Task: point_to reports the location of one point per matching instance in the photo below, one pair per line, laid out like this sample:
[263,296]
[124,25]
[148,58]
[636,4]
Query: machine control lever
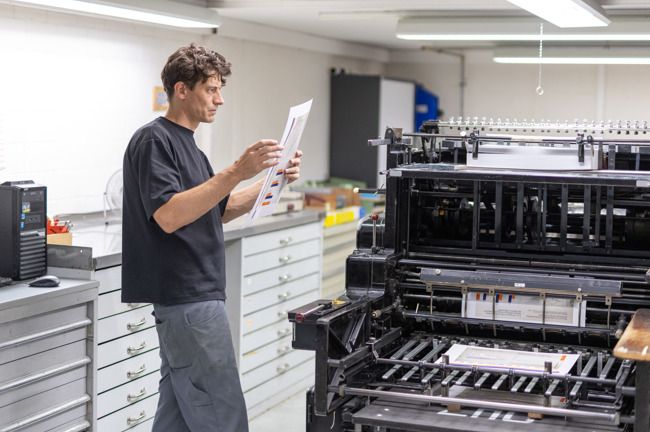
[374,218]
[301,316]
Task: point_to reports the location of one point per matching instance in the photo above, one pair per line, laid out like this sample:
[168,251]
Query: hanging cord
[540,90]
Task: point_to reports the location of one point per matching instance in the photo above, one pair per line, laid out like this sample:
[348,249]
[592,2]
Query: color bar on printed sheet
[279,172]
[275,183]
[266,203]
[269,196]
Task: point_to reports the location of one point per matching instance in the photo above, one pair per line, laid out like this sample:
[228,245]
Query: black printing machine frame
[450,232]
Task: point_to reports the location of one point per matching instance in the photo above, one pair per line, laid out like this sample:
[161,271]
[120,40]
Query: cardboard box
[60,239]
[331,198]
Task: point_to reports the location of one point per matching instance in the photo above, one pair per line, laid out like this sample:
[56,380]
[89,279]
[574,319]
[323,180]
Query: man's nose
[218,99]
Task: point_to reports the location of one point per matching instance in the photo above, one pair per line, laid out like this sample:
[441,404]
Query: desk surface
[105,240]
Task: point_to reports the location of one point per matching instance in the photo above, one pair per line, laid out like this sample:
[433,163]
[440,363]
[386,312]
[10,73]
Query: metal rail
[560,412]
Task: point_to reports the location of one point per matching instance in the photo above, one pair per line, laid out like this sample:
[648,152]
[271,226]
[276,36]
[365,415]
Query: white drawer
[129,417]
[280,257]
[128,370]
[111,304]
[279,276]
[266,353]
[143,426]
[279,294]
[274,368]
[275,313]
[127,347]
[124,324]
[301,373]
[127,394]
[110,279]
[268,334]
[279,239]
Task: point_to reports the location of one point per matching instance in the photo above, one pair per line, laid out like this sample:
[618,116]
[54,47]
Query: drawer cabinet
[127,357]
[339,241]
[138,414]
[267,275]
[47,357]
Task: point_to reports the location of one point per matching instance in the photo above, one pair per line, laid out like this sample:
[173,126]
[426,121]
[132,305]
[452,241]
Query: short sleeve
[223,204]
[158,175]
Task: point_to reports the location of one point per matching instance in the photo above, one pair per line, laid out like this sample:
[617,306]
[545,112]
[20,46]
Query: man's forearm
[242,201]
[186,207]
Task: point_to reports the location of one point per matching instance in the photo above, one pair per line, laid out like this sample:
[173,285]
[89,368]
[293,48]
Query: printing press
[506,285]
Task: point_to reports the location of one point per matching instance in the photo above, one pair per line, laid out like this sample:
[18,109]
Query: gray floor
[290,414]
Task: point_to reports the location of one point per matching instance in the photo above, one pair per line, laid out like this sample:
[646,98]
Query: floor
[290,414]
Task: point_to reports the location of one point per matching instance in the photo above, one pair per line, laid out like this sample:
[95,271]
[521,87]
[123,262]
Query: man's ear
[180,90]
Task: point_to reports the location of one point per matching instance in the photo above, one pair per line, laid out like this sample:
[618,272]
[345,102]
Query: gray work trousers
[199,386]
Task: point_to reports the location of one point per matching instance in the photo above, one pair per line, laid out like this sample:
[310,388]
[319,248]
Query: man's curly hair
[191,64]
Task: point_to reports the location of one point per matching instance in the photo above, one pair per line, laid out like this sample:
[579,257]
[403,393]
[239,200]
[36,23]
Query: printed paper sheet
[524,308]
[467,355]
[275,180]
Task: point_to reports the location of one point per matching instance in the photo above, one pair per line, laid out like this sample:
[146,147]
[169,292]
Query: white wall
[266,81]
[503,91]
[74,91]
[76,88]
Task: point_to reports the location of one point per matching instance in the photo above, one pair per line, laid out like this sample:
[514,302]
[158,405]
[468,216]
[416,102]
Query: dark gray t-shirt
[161,160]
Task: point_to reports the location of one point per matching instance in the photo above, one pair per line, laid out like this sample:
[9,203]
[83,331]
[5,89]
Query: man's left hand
[292,174]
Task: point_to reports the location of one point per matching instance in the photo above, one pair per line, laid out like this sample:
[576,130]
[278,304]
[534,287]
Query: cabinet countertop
[20,294]
[103,242]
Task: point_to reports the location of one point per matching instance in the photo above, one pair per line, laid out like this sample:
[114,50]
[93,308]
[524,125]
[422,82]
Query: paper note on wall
[275,181]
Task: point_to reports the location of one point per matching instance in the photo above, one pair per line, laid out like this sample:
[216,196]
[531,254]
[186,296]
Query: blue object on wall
[426,106]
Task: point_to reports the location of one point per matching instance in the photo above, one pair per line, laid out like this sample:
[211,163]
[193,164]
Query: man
[173,248]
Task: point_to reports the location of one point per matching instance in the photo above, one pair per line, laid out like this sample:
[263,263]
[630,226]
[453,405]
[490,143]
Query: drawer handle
[283,314]
[286,240]
[132,351]
[134,326]
[130,398]
[133,305]
[284,295]
[284,349]
[284,278]
[285,259]
[131,374]
[284,332]
[132,420]
[283,368]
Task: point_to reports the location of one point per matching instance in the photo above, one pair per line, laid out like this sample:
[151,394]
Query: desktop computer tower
[23,224]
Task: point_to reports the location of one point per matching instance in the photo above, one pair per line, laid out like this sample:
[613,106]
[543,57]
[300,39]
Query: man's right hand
[257,157]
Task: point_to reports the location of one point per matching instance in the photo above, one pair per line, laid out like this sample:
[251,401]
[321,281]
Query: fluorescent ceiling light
[515,29]
[162,12]
[566,13]
[631,56]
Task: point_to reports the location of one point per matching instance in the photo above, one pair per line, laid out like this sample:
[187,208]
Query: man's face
[202,102]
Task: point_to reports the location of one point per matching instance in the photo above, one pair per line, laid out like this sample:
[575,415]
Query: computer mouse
[47,281]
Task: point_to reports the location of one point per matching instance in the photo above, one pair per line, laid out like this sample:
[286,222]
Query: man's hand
[258,157]
[292,174]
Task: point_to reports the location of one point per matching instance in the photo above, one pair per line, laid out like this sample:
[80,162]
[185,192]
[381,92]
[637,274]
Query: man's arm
[186,207]
[242,201]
